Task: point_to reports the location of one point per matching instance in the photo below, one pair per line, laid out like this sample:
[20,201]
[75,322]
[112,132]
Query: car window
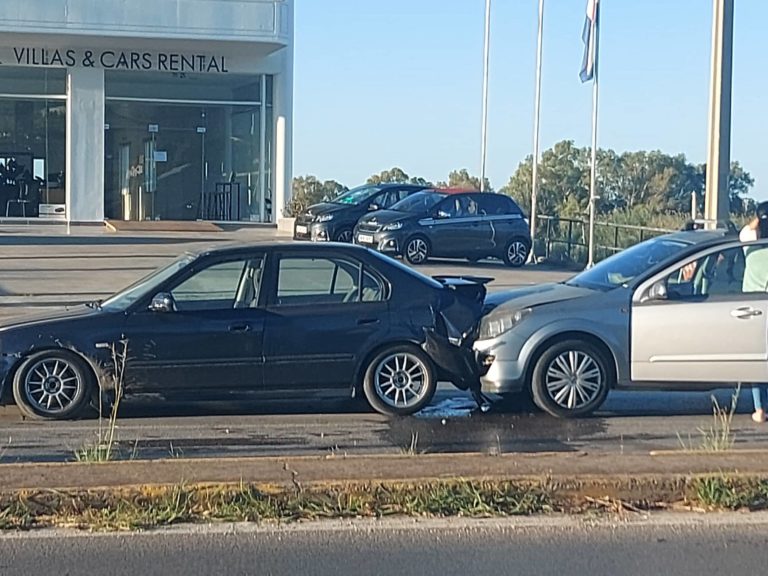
[720,273]
[626,265]
[419,203]
[221,286]
[313,281]
[391,197]
[496,205]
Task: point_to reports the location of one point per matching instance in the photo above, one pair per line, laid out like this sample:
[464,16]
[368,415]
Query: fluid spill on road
[457,425]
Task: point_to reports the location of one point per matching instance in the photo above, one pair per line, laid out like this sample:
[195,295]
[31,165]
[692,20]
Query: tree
[308,190]
[397,175]
[463,179]
[639,183]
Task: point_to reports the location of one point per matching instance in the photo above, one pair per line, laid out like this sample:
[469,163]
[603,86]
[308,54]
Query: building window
[33,122]
[185,147]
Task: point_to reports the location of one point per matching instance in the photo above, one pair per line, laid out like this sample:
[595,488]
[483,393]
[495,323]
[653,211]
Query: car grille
[368,228]
[304,219]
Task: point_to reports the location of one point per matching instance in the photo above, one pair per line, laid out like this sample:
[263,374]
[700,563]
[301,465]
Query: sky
[383,83]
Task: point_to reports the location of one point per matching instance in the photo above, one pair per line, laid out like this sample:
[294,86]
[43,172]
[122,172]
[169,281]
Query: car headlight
[392,227]
[324,218]
[495,325]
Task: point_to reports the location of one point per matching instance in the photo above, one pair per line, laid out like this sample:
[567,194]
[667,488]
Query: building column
[283,119]
[85,145]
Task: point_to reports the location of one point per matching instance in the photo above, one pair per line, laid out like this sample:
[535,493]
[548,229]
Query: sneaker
[759,416]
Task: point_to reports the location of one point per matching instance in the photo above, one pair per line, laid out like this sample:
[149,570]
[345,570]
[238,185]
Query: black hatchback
[471,225]
[333,221]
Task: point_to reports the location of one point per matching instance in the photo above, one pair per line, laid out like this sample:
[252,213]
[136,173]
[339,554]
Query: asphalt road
[628,423]
[731,544]
[42,267]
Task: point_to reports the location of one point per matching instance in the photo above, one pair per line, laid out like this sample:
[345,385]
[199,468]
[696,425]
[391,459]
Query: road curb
[312,470]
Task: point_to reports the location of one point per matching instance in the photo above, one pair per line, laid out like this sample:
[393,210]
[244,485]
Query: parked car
[335,219]
[281,319]
[469,225]
[668,314]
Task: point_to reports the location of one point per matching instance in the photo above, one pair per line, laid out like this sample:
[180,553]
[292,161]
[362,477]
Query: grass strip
[152,507]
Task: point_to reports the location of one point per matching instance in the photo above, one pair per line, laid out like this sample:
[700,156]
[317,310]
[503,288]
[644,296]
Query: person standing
[756,280]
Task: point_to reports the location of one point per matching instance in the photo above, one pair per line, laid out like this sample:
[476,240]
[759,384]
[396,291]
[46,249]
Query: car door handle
[745,312]
[244,327]
[367,321]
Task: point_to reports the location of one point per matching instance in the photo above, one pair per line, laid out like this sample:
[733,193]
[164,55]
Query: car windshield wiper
[95,304]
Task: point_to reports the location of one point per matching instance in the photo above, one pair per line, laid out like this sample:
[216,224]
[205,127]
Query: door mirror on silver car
[162,302]
[658,291]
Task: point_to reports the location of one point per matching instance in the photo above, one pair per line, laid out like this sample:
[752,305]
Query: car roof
[700,237]
[233,248]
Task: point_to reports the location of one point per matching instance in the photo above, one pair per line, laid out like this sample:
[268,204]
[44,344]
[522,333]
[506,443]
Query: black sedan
[293,320]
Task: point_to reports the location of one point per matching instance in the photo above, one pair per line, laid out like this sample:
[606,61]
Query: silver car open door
[698,322]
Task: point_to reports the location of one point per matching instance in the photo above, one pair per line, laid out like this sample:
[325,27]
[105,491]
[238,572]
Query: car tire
[571,379]
[516,252]
[416,250]
[53,385]
[400,380]
[344,235]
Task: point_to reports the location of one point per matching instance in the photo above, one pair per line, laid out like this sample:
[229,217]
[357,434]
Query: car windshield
[123,299]
[627,264]
[419,202]
[356,195]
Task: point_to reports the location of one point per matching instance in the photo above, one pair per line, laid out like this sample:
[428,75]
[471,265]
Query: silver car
[667,314]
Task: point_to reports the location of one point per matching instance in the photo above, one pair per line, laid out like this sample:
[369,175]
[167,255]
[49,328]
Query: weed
[719,436]
[105,448]
[412,448]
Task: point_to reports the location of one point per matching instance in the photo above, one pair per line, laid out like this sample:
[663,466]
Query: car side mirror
[162,302]
[373,207]
[442,214]
[658,291]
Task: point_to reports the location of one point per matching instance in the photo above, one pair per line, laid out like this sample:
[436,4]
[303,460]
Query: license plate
[301,229]
[365,239]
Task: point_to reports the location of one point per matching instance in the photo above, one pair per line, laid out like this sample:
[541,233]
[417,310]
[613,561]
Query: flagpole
[593,163]
[536,130]
[486,60]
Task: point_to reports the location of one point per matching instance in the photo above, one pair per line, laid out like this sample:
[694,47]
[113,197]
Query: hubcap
[517,253]
[401,380]
[417,250]
[52,385]
[345,236]
[573,379]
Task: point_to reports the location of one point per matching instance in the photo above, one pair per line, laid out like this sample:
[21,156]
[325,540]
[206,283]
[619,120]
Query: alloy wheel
[517,252]
[416,251]
[573,379]
[52,385]
[344,236]
[400,380]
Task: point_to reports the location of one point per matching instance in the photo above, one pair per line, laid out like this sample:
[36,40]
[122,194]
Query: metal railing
[565,239]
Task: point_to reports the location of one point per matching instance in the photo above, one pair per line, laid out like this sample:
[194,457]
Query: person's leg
[760,399]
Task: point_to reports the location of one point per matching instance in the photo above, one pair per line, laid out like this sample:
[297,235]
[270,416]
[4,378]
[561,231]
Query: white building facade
[146,109]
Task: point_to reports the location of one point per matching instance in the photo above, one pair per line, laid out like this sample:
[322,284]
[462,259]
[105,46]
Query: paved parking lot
[44,266]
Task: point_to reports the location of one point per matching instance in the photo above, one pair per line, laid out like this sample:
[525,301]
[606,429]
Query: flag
[589,36]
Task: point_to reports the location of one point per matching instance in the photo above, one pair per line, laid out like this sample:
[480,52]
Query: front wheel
[416,250]
[399,381]
[516,253]
[571,379]
[344,235]
[53,385]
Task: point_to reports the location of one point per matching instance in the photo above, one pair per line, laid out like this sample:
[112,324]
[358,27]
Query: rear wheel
[571,379]
[516,252]
[400,380]
[416,250]
[53,385]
